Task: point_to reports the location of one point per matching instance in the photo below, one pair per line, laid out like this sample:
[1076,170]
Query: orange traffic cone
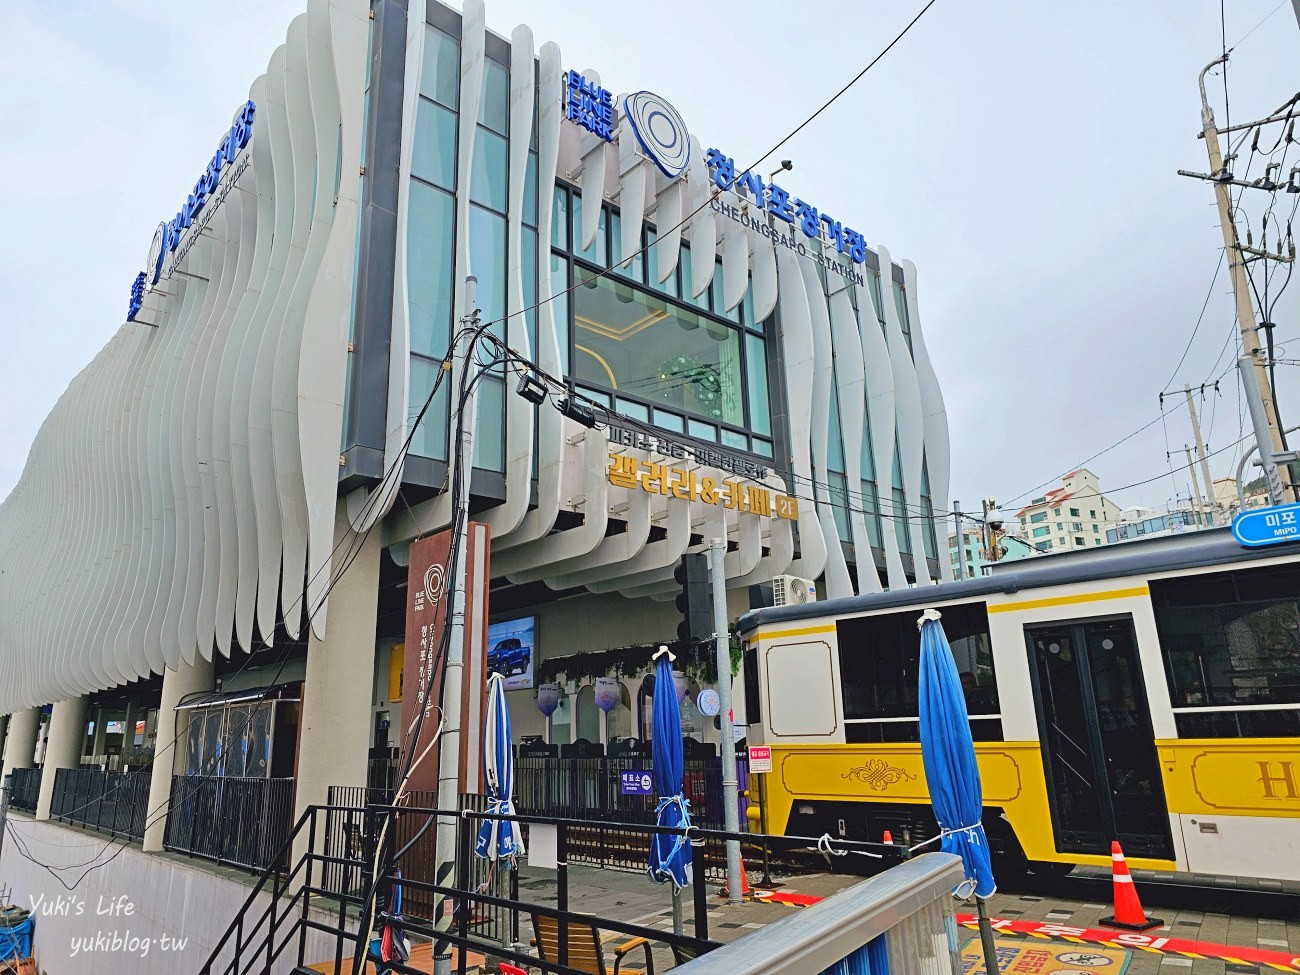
[744,883]
[1128,909]
[887,838]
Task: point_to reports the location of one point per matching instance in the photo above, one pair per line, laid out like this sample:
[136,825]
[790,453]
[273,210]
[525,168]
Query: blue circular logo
[660,131]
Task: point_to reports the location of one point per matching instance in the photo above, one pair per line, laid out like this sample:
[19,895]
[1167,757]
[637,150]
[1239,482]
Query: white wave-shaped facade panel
[182,490]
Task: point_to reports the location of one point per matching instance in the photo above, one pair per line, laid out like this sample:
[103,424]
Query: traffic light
[692,574]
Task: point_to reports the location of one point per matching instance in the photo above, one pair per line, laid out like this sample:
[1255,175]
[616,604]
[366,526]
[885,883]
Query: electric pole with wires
[1269,436]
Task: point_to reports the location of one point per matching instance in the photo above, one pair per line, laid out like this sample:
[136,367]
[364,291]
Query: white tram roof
[1142,557]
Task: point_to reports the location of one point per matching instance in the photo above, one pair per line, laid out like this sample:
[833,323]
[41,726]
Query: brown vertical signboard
[428,599]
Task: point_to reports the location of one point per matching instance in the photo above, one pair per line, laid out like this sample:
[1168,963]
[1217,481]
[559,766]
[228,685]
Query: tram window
[1230,638]
[888,732]
[880,655]
[1238,724]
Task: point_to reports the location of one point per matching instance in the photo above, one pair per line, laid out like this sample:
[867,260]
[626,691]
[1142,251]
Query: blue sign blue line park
[1267,526]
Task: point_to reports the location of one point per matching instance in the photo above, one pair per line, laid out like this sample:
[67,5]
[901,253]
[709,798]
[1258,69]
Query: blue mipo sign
[1267,526]
[169,233]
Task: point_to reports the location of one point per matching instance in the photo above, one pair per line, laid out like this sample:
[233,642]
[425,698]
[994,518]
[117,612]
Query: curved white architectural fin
[934,420]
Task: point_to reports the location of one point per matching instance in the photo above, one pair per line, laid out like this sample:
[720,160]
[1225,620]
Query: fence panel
[592,789]
[241,821]
[25,788]
[112,802]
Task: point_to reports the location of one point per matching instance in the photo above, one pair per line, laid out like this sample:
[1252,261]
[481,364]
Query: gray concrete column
[101,720]
[334,740]
[176,684]
[20,746]
[67,738]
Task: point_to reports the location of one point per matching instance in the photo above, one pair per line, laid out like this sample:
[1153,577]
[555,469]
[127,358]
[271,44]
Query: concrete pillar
[101,723]
[334,740]
[67,738]
[176,684]
[20,746]
[128,730]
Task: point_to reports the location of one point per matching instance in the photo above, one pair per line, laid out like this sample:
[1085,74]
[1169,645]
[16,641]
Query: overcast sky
[1022,153]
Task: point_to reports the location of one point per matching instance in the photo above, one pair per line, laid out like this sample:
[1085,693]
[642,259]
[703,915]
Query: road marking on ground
[1233,954]
[1024,958]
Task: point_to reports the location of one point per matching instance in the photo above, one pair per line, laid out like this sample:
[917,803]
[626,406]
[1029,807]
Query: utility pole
[1196,487]
[730,783]
[961,539]
[1270,440]
[451,743]
[1210,504]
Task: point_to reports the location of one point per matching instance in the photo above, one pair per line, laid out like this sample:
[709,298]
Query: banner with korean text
[428,595]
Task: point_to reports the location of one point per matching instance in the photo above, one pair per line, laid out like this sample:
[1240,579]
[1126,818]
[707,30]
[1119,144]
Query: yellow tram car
[1147,692]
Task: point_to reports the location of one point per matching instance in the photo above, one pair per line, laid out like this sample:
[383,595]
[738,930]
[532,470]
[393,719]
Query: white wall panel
[505,518]
[800,363]
[312,180]
[823,378]
[907,413]
[337,55]
[880,415]
[538,522]
[934,421]
[169,480]
[850,381]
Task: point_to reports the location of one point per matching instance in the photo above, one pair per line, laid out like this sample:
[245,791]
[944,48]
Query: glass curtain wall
[431,241]
[430,237]
[649,349]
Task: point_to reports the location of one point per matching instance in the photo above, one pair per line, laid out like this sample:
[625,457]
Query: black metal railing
[112,802]
[229,819]
[271,932]
[24,788]
[594,789]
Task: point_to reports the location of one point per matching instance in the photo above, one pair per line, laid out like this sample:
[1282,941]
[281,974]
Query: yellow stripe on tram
[1087,597]
[801,631]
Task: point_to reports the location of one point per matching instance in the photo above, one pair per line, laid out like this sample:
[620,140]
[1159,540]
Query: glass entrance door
[1099,751]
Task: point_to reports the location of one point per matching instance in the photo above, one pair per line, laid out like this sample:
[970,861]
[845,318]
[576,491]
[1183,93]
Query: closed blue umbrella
[951,772]
[499,839]
[670,855]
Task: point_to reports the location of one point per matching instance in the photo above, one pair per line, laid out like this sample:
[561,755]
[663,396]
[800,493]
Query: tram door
[1094,722]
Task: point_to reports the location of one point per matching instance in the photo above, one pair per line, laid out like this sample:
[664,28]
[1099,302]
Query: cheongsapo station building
[209,543]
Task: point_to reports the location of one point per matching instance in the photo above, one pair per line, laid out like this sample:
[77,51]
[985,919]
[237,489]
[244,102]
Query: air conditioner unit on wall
[793,591]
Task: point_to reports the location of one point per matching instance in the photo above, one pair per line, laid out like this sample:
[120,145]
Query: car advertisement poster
[510,651]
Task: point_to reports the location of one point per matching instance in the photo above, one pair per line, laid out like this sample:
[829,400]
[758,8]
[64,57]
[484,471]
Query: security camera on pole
[993,531]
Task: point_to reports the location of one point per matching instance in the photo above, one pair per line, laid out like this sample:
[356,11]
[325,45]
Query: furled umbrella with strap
[951,772]
[499,840]
[670,855]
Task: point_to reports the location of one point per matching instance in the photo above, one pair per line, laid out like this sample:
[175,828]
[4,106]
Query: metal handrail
[819,937]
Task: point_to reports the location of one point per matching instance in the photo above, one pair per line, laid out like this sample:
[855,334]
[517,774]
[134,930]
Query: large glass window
[430,258]
[494,107]
[636,343]
[488,181]
[760,409]
[839,492]
[487,255]
[1039,517]
[1231,645]
[434,152]
[879,661]
[440,72]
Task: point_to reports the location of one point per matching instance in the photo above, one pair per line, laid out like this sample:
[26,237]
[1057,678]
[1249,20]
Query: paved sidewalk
[629,896]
